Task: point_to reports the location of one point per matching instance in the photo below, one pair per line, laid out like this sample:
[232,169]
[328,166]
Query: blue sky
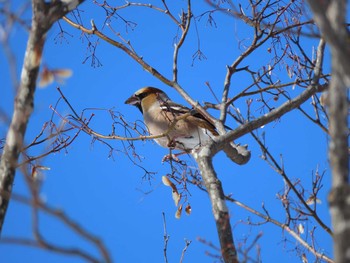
[108,196]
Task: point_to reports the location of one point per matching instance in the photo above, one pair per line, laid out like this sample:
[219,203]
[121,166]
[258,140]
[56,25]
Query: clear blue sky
[108,196]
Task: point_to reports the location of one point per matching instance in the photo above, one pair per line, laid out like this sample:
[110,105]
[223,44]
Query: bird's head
[146,95]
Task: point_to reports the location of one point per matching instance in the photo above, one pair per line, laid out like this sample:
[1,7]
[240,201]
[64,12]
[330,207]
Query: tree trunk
[330,18]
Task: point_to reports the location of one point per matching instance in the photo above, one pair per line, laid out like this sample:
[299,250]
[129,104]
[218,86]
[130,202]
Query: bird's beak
[133,100]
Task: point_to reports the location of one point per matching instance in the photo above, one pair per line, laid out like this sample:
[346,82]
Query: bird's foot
[173,157]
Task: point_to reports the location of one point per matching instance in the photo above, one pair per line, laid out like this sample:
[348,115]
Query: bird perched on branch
[181,127]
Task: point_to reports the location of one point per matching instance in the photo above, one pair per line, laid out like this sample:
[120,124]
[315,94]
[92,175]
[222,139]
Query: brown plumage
[185,128]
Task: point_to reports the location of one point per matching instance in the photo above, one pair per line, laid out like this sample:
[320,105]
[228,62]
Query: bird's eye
[140,96]
[143,95]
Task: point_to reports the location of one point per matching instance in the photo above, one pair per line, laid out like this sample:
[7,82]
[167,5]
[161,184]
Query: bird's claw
[170,157]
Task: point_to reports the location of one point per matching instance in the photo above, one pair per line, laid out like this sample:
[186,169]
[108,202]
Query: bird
[183,128]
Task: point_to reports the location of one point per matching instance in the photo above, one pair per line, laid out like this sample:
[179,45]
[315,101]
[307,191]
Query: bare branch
[286,228]
[131,53]
[187,17]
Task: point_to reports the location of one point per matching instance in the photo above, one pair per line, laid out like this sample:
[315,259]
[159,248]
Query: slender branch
[285,227]
[187,244]
[132,54]
[49,247]
[166,239]
[182,39]
[62,217]
[256,43]
[146,66]
[281,171]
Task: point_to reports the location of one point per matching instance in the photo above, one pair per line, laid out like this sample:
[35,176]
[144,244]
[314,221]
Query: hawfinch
[185,129]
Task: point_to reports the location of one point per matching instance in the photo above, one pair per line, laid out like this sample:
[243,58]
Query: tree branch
[221,141]
[217,199]
[44,15]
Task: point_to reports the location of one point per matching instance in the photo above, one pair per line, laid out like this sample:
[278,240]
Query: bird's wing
[174,108]
[195,117]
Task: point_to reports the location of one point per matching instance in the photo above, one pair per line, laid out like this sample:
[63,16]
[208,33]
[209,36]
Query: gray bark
[330,18]
[217,198]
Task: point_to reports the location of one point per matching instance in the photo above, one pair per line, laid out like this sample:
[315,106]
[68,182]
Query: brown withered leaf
[312,200]
[34,172]
[176,197]
[166,181]
[188,209]
[178,212]
[47,76]
[301,229]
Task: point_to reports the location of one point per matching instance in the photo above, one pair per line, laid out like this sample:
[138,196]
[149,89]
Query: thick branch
[217,199]
[44,15]
[265,119]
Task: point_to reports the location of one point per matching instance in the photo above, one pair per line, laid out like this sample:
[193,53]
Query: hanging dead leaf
[43,167]
[301,229]
[166,181]
[178,212]
[270,70]
[304,258]
[312,199]
[47,76]
[188,209]
[34,173]
[176,197]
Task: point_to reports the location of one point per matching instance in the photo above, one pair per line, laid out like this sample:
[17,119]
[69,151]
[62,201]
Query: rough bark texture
[44,15]
[330,18]
[217,199]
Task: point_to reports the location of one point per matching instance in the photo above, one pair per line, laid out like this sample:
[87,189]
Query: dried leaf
[43,167]
[301,229]
[166,181]
[178,212]
[176,197]
[47,76]
[34,173]
[304,258]
[62,73]
[289,71]
[188,209]
[312,199]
